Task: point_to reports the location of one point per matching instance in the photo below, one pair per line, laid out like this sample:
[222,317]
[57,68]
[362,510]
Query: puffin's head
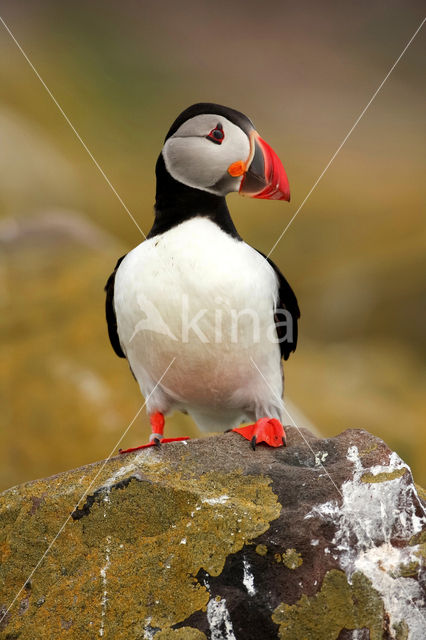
[217,149]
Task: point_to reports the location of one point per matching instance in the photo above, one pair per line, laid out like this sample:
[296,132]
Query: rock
[34,171]
[53,268]
[53,230]
[322,540]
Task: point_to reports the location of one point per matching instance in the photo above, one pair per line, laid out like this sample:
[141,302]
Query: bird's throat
[175,203]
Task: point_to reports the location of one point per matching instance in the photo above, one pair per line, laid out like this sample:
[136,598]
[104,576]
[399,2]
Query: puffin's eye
[216,135]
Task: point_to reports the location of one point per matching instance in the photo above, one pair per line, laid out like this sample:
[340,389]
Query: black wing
[110,312]
[287,334]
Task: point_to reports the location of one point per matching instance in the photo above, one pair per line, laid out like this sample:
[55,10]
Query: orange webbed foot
[156,442]
[267,430]
[156,438]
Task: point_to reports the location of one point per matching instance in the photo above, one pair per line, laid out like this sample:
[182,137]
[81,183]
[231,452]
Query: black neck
[175,203]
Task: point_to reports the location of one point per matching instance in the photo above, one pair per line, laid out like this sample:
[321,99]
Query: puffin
[204,319]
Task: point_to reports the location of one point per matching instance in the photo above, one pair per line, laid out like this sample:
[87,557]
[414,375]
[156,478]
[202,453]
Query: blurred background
[355,254]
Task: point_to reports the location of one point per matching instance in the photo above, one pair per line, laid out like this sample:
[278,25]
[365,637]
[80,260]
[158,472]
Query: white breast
[198,295]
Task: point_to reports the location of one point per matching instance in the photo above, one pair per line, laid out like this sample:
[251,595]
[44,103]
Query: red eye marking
[216,135]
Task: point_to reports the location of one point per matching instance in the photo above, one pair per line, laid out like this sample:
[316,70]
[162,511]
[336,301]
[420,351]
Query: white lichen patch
[381,566]
[220,500]
[124,471]
[248,578]
[148,631]
[219,620]
[320,457]
[131,469]
[371,516]
[103,573]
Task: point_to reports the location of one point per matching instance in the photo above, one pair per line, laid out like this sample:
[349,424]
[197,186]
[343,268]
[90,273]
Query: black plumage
[110,312]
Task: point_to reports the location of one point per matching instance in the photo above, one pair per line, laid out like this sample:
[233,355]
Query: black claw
[157,442]
[284,441]
[253,443]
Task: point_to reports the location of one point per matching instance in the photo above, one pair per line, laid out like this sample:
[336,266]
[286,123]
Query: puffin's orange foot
[142,446]
[166,440]
[154,443]
[268,430]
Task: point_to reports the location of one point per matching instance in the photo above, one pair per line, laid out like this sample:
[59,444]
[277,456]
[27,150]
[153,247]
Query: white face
[197,161]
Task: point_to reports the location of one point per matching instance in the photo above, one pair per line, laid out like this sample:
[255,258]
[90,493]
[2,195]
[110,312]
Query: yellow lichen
[338,605]
[418,538]
[408,570]
[143,543]
[184,633]
[4,551]
[369,449]
[401,630]
[261,549]
[420,491]
[385,476]
[292,559]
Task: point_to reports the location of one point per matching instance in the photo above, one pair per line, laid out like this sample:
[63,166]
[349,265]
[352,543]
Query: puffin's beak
[265,176]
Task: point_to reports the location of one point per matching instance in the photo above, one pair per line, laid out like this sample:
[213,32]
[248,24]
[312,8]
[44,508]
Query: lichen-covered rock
[319,541]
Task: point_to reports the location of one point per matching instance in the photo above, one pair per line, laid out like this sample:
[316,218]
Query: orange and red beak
[265,176]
